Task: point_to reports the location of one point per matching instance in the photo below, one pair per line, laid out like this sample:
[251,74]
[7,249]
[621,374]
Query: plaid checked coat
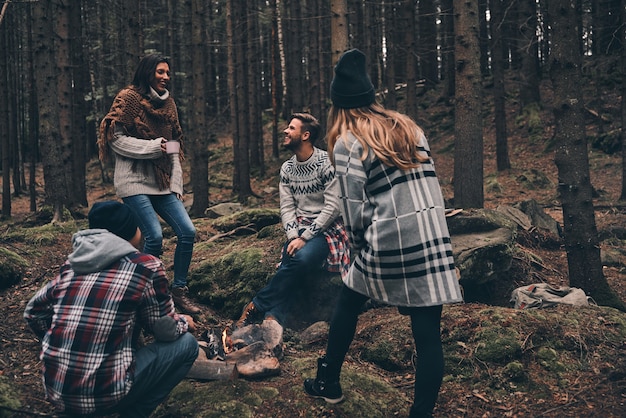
[398,234]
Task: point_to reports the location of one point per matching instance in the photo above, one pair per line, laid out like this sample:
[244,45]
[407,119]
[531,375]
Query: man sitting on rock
[310,214]
[90,317]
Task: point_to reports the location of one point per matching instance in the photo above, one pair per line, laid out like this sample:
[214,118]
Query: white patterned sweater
[309,190]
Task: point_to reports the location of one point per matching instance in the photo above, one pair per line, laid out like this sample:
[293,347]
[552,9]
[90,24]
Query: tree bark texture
[499,93]
[198,135]
[339,28]
[468,129]
[410,48]
[50,140]
[529,72]
[4,125]
[575,192]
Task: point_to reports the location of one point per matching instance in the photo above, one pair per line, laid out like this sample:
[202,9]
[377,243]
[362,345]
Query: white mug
[172,147]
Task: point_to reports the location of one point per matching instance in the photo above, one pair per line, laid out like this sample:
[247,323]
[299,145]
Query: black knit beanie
[115,217]
[351,87]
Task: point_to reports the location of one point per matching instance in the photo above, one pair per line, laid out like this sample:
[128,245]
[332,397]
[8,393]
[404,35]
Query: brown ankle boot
[182,301]
[246,315]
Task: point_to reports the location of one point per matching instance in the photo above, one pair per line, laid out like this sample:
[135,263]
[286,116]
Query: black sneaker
[330,392]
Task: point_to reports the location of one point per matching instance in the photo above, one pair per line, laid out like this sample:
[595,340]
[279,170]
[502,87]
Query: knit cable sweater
[135,138]
[309,190]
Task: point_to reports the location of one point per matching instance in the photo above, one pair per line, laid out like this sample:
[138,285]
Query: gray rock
[223,209]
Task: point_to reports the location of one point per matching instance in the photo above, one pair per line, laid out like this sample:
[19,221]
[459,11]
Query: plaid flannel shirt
[90,324]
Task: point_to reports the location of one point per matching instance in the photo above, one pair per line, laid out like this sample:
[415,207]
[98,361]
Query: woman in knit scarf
[393,210]
[142,120]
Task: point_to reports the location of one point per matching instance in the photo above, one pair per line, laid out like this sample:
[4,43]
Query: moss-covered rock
[259,218]
[228,283]
[12,268]
[499,345]
[8,398]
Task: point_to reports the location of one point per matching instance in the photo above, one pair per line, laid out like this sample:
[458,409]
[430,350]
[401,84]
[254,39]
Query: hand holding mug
[172,147]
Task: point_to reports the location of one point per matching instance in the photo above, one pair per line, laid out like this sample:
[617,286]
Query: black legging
[425,325]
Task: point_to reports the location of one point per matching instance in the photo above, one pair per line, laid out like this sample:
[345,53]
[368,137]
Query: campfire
[251,351]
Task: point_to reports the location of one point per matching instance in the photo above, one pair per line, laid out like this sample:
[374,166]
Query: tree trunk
[410,47]
[483,38]
[80,80]
[4,124]
[571,158]
[468,130]
[282,51]
[131,36]
[33,123]
[64,104]
[623,104]
[497,67]
[198,133]
[254,111]
[317,97]
[338,28]
[427,45]
[242,164]
[275,72]
[231,20]
[606,24]
[529,72]
[49,135]
[391,56]
[296,99]
[12,106]
[448,72]
[373,39]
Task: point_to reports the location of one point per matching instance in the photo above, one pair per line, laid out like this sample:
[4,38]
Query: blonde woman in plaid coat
[393,210]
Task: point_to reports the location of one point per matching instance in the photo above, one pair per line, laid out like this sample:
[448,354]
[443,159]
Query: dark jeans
[274,298]
[172,210]
[160,367]
[425,325]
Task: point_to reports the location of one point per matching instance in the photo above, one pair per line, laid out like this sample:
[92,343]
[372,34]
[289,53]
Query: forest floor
[597,389]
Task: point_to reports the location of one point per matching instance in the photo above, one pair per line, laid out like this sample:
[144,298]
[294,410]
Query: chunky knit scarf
[142,118]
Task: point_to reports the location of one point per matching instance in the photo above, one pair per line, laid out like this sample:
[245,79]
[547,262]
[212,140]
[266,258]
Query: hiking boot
[270,317]
[182,301]
[326,385]
[246,315]
[415,413]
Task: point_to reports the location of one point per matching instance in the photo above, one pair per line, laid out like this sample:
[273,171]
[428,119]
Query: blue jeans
[159,367]
[274,297]
[172,210]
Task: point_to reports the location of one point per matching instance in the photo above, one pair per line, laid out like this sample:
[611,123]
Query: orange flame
[226,341]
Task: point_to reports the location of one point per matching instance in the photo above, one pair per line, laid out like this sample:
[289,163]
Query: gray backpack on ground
[542,295]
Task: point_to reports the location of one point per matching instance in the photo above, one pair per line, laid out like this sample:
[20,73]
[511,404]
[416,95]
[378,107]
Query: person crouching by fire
[90,316]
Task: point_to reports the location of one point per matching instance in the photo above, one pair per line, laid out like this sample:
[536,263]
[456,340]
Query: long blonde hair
[393,136]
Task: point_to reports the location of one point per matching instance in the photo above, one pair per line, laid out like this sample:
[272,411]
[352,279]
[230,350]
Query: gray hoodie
[95,249]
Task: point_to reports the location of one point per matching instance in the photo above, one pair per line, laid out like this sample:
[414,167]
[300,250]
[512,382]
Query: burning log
[255,350]
[269,331]
[205,369]
[262,349]
[255,360]
[252,351]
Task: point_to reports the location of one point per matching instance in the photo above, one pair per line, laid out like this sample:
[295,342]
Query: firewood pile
[252,351]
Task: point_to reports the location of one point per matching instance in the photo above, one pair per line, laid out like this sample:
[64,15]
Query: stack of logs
[251,351]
